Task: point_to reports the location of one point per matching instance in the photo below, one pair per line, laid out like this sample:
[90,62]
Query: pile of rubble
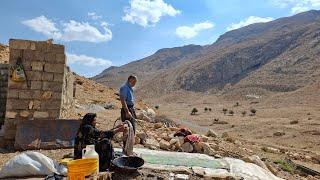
[162,134]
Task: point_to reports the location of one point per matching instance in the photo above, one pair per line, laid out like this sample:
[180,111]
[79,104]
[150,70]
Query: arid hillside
[279,56]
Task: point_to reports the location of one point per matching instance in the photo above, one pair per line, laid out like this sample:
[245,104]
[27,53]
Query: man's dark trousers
[132,120]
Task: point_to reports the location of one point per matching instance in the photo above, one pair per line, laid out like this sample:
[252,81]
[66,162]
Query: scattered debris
[270,150]
[279,134]
[294,122]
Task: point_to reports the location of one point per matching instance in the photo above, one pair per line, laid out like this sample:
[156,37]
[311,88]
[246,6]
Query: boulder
[142,135]
[165,145]
[158,125]
[204,138]
[255,160]
[141,114]
[165,136]
[151,113]
[211,133]
[187,147]
[181,140]
[225,135]
[175,129]
[152,144]
[198,147]
[215,146]
[170,136]
[208,150]
[174,141]
[177,146]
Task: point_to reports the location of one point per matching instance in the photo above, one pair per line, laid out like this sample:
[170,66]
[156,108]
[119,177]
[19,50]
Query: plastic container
[89,152]
[79,169]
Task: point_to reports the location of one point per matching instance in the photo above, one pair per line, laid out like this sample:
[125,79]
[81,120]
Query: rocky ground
[220,135]
[286,126]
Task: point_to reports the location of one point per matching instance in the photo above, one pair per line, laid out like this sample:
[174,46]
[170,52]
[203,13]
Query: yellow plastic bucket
[79,169]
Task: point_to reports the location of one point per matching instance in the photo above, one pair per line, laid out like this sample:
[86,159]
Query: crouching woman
[88,134]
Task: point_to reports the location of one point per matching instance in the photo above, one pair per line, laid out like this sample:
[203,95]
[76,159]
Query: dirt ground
[296,119]
[294,116]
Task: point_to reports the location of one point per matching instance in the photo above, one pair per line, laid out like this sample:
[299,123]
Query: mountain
[278,56]
[149,66]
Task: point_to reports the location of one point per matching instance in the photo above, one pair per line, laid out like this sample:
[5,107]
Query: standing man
[127,101]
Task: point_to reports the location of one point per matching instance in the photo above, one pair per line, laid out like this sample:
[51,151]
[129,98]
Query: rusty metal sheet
[42,134]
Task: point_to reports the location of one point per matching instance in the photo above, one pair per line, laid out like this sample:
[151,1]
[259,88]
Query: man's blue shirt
[126,92]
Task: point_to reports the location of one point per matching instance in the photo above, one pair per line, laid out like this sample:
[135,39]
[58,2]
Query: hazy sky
[100,33]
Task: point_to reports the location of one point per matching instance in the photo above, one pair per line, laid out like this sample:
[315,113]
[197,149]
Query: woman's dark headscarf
[88,119]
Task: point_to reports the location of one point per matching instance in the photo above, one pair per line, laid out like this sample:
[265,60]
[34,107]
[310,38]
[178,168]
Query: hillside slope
[148,67]
[279,56]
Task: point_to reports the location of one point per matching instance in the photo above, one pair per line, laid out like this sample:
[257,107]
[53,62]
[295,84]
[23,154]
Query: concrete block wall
[40,96]
[68,93]
[3,91]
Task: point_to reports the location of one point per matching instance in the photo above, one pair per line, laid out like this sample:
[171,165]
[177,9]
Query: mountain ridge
[265,55]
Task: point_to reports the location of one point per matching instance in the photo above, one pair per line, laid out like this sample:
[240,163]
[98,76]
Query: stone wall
[3,91]
[68,93]
[39,97]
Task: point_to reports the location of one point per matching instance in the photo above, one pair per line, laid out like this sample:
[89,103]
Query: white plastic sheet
[31,164]
[251,171]
[223,167]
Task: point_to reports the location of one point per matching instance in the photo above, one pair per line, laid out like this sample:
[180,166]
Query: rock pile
[158,136]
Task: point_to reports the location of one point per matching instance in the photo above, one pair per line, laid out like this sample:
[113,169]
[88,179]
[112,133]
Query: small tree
[244,113]
[210,109]
[253,111]
[231,112]
[224,111]
[205,109]
[194,111]
[157,107]
[237,104]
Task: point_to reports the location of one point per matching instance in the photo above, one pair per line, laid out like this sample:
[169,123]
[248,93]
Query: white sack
[31,164]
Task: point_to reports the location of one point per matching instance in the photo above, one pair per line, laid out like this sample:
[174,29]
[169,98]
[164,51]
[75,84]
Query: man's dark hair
[132,77]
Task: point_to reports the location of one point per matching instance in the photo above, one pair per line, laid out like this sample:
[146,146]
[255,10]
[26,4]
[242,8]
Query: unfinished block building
[47,92]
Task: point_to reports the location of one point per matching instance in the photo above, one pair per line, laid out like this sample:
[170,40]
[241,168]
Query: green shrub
[194,111]
[205,109]
[231,112]
[224,110]
[244,113]
[253,111]
[285,166]
[156,107]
